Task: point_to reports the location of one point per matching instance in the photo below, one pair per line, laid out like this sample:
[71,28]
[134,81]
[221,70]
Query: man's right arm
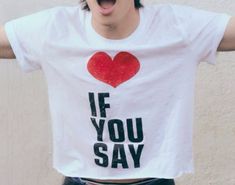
[6,51]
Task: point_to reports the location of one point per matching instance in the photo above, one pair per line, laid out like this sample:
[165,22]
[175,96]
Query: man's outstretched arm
[228,41]
[5,47]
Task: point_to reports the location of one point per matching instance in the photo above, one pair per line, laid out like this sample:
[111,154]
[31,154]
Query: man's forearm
[5,47]
[228,41]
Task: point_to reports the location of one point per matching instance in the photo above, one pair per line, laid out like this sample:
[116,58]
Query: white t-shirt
[120,109]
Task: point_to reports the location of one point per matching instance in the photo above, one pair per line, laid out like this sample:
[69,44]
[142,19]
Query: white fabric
[144,82]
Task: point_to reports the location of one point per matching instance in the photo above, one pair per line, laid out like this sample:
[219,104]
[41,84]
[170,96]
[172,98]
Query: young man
[120,81]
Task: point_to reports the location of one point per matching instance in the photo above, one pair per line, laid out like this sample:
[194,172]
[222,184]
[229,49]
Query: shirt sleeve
[204,30]
[26,36]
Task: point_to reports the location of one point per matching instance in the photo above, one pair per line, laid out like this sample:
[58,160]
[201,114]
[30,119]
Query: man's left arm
[228,41]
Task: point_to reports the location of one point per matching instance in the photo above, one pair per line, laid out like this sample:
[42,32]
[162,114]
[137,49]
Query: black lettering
[136,154]
[139,130]
[99,128]
[92,104]
[118,124]
[103,160]
[102,105]
[119,156]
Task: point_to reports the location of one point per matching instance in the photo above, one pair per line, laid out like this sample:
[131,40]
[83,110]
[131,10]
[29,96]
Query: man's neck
[121,29]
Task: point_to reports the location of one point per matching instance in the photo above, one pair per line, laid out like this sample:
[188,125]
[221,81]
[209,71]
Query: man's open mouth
[106,3]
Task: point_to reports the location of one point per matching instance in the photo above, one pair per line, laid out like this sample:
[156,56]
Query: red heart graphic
[113,72]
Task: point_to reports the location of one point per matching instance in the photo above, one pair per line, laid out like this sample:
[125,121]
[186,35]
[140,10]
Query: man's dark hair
[86,7]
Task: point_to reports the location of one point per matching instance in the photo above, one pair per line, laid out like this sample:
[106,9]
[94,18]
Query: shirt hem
[171,176]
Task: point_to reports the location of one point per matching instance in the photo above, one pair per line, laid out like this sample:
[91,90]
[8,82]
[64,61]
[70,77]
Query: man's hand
[5,47]
[228,41]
